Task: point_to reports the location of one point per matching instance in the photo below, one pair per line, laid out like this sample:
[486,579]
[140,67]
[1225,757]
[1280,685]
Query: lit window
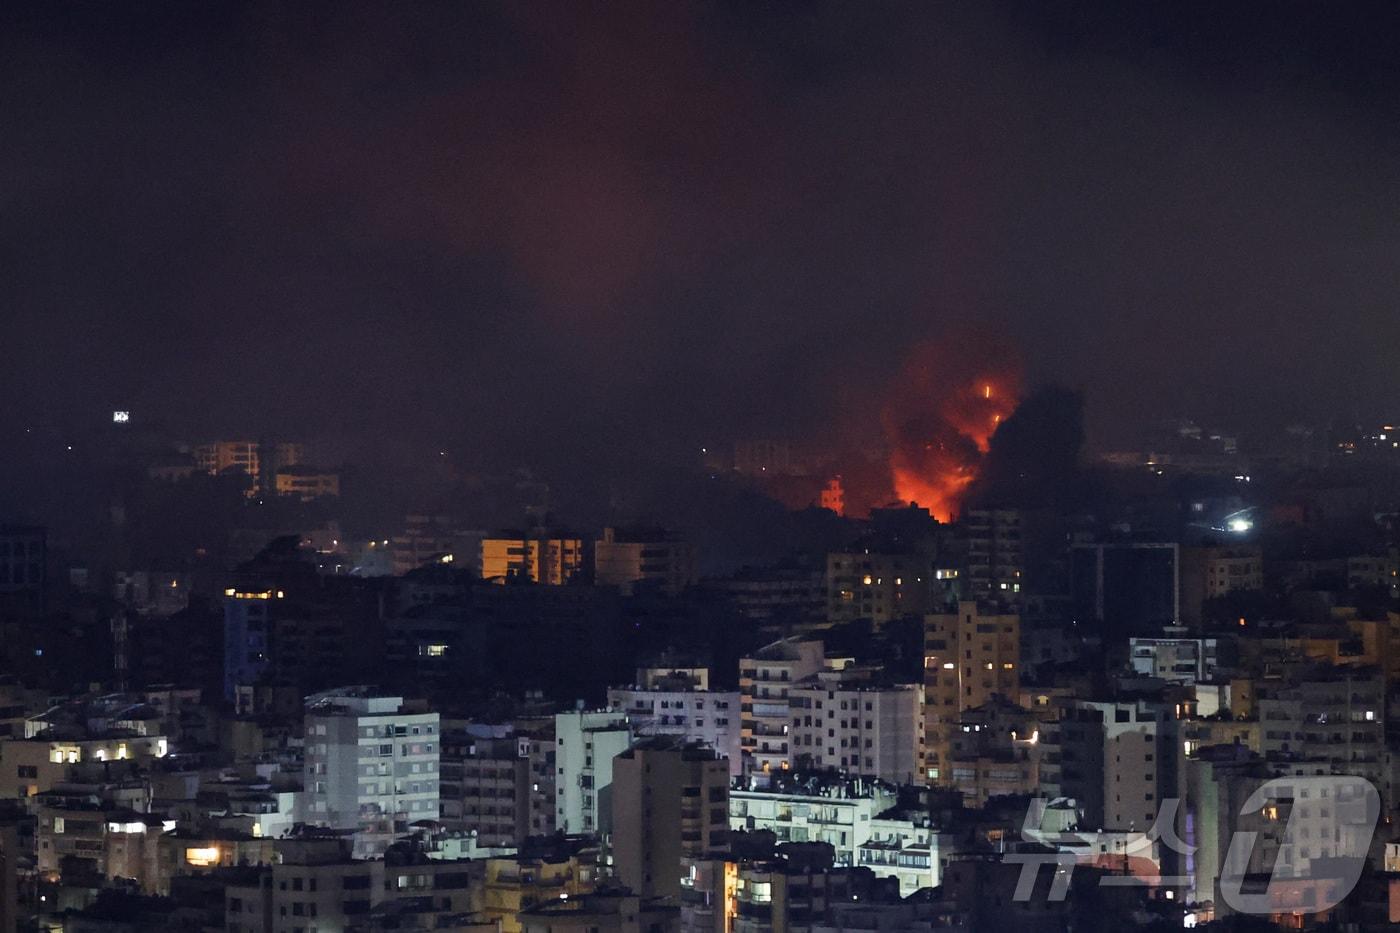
[202,857]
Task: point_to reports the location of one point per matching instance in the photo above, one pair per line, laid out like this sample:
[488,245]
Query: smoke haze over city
[476,226]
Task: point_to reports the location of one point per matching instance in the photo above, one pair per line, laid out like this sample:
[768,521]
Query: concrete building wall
[969,658]
[586,742]
[709,717]
[677,805]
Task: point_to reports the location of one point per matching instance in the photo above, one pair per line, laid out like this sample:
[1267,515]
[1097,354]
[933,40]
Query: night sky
[559,228]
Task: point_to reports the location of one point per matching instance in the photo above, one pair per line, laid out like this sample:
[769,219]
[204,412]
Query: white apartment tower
[858,729]
[586,742]
[371,766]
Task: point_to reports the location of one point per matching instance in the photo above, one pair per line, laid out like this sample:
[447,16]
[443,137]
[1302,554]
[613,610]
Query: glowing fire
[939,423]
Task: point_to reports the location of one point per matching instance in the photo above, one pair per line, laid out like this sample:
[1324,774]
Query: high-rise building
[858,728]
[793,594]
[1118,759]
[1379,570]
[1212,572]
[542,557]
[485,785]
[427,539]
[677,797]
[643,557]
[372,766]
[247,636]
[970,656]
[792,888]
[995,555]
[586,742]
[1308,822]
[538,748]
[1125,587]
[994,751]
[1331,716]
[315,885]
[868,584]
[765,682]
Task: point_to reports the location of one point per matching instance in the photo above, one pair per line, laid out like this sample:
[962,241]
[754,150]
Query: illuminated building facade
[970,656]
[253,459]
[858,729]
[36,764]
[540,872]
[765,682]
[685,710]
[586,742]
[868,584]
[544,558]
[306,484]
[836,812]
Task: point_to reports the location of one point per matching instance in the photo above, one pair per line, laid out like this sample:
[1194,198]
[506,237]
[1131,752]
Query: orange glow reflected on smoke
[939,422]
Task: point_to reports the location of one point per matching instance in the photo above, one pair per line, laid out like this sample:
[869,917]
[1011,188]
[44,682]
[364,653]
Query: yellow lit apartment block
[517,883]
[969,657]
[549,560]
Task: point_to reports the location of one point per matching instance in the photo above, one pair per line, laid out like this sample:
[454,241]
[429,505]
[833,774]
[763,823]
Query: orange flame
[939,421]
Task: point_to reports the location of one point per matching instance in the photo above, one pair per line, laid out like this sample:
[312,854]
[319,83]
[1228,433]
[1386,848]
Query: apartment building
[814,808]
[372,766]
[544,871]
[679,706]
[970,656]
[549,558]
[639,558]
[765,682]
[677,796]
[484,787]
[586,742]
[879,586]
[857,728]
[1174,657]
[316,885]
[995,556]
